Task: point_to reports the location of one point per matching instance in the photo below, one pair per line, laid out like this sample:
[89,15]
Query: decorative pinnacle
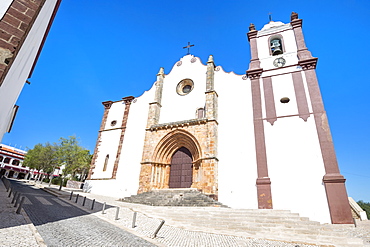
[293,16]
[161,71]
[210,59]
[252,27]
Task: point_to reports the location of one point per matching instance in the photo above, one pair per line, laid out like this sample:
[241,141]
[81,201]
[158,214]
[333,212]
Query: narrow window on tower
[105,163]
[200,113]
[276,45]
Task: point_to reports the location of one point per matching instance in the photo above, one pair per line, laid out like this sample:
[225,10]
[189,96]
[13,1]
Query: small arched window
[276,46]
[1,158]
[106,163]
[7,160]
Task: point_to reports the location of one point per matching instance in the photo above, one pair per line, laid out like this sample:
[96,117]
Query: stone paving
[15,229]
[145,227]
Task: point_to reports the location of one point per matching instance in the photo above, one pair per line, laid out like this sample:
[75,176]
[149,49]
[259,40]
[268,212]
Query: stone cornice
[107,104]
[179,124]
[254,73]
[155,103]
[211,91]
[308,63]
[128,100]
[296,23]
[252,34]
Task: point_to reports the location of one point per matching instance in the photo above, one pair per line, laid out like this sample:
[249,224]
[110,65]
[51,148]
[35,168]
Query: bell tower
[294,149]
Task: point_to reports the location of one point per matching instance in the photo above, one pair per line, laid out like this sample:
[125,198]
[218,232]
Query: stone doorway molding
[155,172]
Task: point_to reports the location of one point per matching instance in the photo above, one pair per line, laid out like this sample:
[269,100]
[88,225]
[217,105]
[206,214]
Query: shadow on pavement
[43,207]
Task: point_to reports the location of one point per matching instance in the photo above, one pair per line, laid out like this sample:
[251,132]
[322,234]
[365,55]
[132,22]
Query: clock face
[279,62]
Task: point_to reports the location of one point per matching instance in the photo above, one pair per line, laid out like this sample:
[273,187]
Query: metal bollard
[92,204]
[134,220]
[159,228]
[83,203]
[15,195]
[70,196]
[10,192]
[117,213]
[103,208]
[20,206]
[17,200]
[354,222]
[77,198]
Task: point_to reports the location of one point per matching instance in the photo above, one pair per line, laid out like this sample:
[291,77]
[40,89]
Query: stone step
[189,198]
[255,223]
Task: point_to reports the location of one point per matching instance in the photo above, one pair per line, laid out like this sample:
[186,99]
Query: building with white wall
[11,162]
[259,140]
[24,25]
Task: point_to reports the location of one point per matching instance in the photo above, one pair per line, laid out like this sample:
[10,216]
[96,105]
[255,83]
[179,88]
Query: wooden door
[181,173]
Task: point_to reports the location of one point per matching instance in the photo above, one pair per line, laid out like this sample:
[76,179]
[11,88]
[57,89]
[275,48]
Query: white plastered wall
[295,164]
[109,142]
[22,64]
[176,107]
[128,172]
[4,5]
[237,170]
[127,177]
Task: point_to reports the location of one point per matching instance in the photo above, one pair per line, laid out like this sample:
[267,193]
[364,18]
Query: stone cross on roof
[188,46]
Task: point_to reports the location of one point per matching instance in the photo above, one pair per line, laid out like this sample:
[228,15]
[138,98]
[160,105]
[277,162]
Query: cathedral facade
[259,140]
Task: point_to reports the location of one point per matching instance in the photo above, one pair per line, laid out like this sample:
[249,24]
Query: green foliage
[365,206]
[42,157]
[67,153]
[75,158]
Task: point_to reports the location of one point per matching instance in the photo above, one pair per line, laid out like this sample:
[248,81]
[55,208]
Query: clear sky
[105,50]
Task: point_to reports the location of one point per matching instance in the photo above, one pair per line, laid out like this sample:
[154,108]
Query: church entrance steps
[255,223]
[174,197]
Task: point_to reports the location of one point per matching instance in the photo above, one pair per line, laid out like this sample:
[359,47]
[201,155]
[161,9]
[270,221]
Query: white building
[259,140]
[24,26]
[11,162]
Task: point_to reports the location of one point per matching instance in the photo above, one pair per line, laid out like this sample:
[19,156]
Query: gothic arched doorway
[181,172]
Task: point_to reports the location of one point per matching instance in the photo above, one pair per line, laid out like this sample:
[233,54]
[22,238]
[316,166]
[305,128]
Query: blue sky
[105,50]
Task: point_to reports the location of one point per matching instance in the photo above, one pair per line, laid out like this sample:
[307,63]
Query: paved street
[62,224]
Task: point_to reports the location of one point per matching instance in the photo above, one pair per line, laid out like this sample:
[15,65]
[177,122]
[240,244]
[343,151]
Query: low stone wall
[74,184]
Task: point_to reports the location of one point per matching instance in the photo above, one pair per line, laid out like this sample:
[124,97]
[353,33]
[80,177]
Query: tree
[46,157]
[365,206]
[75,158]
[42,158]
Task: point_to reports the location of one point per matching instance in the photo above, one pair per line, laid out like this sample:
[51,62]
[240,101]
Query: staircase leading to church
[174,197]
[280,225]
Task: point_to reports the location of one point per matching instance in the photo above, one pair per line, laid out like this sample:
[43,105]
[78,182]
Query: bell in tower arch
[276,48]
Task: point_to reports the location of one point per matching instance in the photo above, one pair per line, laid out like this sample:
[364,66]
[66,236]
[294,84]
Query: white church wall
[237,171]
[116,112]
[177,107]
[22,64]
[109,140]
[132,148]
[296,168]
[283,87]
[4,5]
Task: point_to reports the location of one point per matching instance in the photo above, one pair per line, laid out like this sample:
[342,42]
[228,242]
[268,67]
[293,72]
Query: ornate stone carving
[308,63]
